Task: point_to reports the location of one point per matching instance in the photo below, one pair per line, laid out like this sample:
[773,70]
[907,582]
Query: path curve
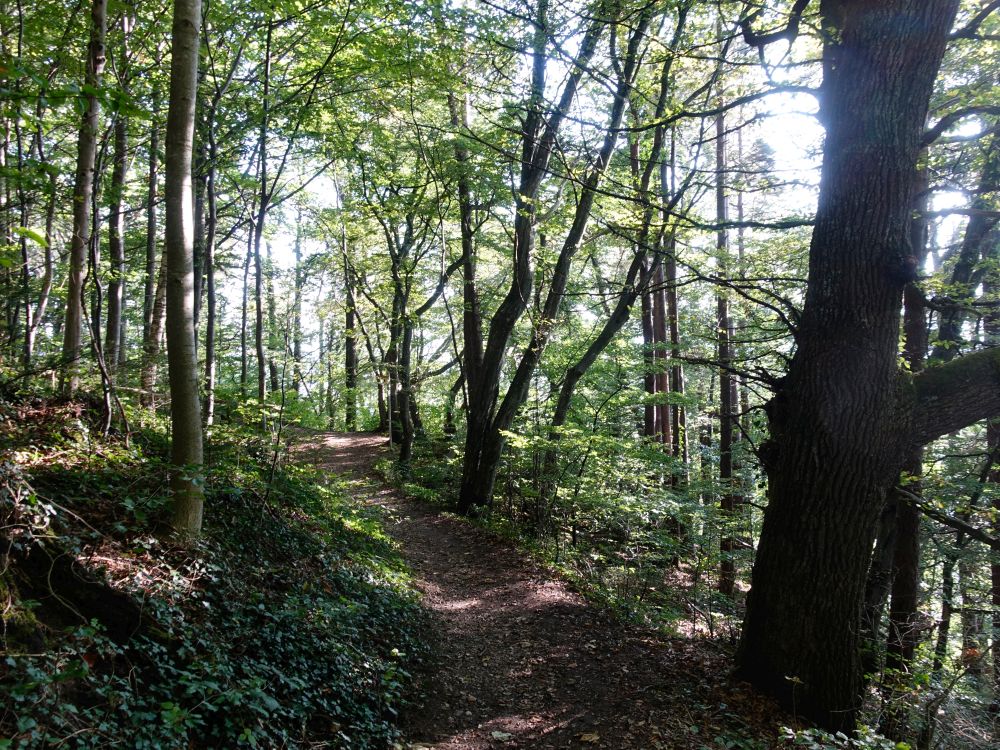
[522,661]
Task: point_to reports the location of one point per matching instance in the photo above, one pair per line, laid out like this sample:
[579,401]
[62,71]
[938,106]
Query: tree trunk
[904,633]
[244,314]
[845,417]
[272,320]
[947,609]
[350,348]
[258,226]
[991,327]
[116,242]
[149,294]
[211,222]
[487,417]
[727,408]
[46,290]
[297,307]
[650,425]
[154,337]
[83,190]
[182,359]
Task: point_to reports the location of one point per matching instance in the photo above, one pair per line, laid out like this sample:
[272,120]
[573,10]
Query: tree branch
[788,33]
[951,396]
[940,516]
[971,29]
[939,128]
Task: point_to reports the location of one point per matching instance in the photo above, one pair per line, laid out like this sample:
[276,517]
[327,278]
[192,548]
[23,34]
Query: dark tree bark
[904,633]
[845,417]
[83,189]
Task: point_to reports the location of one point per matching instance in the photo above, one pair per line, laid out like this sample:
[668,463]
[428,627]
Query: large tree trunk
[83,190]
[182,357]
[841,421]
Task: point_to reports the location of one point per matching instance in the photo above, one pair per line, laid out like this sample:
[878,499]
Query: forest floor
[520,660]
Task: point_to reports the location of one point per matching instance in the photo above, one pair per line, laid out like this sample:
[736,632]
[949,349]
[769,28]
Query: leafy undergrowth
[289,624]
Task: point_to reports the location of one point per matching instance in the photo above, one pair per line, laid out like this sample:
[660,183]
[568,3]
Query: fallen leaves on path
[522,661]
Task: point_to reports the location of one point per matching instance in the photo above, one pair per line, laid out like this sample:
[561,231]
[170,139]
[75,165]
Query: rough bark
[182,359]
[839,421]
[904,633]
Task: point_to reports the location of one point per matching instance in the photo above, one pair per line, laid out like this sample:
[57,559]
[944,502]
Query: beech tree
[182,358]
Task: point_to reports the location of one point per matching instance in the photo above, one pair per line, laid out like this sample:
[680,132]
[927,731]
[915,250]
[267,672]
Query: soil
[523,661]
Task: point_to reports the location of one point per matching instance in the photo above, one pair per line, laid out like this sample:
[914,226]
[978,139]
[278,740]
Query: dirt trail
[523,661]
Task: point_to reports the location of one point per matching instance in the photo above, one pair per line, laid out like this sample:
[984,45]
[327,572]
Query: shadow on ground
[522,661]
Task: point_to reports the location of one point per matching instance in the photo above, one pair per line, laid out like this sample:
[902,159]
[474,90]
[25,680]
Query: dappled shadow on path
[522,661]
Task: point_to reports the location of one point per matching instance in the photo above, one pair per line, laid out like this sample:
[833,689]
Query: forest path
[520,660]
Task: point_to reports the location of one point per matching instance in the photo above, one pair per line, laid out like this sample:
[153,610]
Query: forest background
[698,300]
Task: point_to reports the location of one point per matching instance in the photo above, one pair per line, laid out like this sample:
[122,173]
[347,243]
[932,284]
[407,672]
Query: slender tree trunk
[83,189]
[244,314]
[23,209]
[116,241]
[258,227]
[211,222]
[727,500]
[651,414]
[272,320]
[350,348]
[47,276]
[151,347]
[182,358]
[660,354]
[991,327]
[149,294]
[297,307]
[677,411]
[331,404]
[259,314]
